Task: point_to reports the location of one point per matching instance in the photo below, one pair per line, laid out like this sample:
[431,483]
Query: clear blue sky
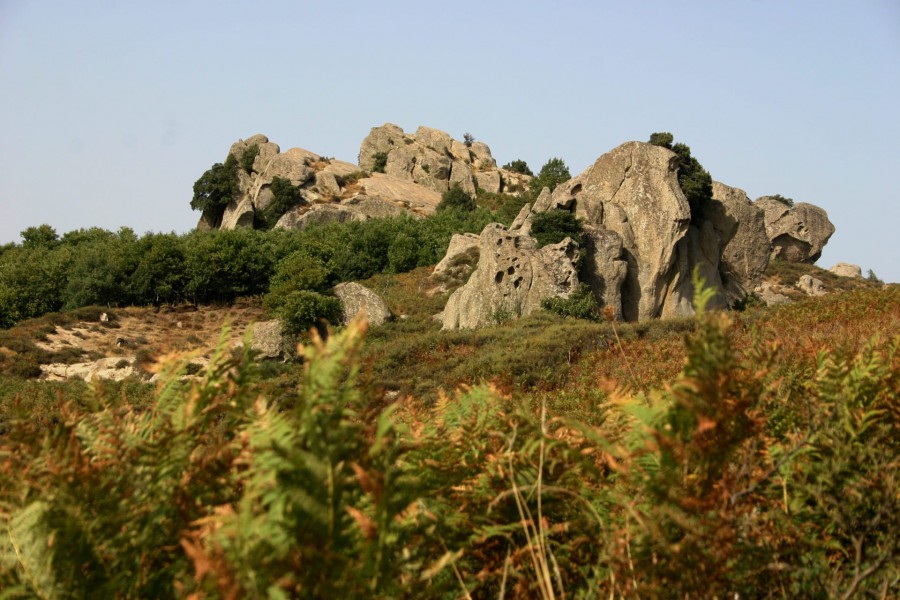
[109,111]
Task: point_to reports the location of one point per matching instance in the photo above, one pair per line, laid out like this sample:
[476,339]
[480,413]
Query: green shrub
[786,201]
[285,196]
[580,304]
[301,310]
[456,198]
[379,162]
[695,181]
[518,166]
[553,226]
[248,156]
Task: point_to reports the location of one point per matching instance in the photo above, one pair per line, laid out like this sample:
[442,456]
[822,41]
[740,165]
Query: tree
[695,181]
[553,173]
[216,188]
[42,236]
[248,156]
[457,198]
[518,166]
[468,139]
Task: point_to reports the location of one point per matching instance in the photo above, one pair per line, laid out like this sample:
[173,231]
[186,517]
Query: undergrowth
[749,473]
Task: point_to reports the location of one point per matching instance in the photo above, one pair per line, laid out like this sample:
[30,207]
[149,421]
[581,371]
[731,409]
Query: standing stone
[633,190]
[512,279]
[741,228]
[355,298]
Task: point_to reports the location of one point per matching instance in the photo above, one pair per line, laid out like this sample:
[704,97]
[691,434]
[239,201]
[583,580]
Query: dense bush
[379,162]
[553,226]
[695,181]
[456,198]
[581,304]
[285,196]
[518,166]
[248,157]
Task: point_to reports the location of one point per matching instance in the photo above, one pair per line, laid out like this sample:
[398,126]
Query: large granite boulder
[796,233]
[512,279]
[303,216]
[269,340]
[433,159]
[741,228]
[843,269]
[633,191]
[355,298]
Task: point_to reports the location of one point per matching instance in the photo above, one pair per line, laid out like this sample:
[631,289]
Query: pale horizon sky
[109,111]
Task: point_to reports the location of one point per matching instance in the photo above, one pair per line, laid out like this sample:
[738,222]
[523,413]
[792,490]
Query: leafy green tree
[224,265]
[468,139]
[553,173]
[216,188]
[301,310]
[101,269]
[32,281]
[518,166]
[42,236]
[695,181]
[456,198]
[553,226]
[160,274]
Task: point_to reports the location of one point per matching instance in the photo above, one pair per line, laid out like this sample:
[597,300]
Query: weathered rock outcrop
[513,277]
[798,233]
[331,190]
[433,159]
[741,228]
[269,340]
[843,269]
[811,286]
[115,368]
[633,191]
[355,298]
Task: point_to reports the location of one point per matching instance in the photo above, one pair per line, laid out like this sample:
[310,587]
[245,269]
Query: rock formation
[269,341]
[843,269]
[329,190]
[796,233]
[633,192]
[355,298]
[512,279]
[433,159]
[741,228]
[811,286]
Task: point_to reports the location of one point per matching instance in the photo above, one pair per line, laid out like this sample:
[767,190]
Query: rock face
[355,297]
[433,159]
[847,270]
[115,368]
[269,341]
[331,190]
[513,277]
[633,191]
[798,233]
[741,228]
[811,286]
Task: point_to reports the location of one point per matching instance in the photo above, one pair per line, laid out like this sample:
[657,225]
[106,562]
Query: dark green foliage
[216,188]
[379,162]
[42,236]
[301,310]
[580,304]
[504,206]
[695,181]
[284,197]
[518,166]
[468,139]
[783,200]
[553,173]
[663,139]
[871,276]
[456,198]
[160,275]
[554,226]
[248,156]
[224,265]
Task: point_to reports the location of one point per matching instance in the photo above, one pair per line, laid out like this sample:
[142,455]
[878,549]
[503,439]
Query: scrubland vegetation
[751,454]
